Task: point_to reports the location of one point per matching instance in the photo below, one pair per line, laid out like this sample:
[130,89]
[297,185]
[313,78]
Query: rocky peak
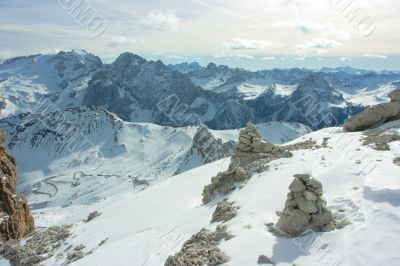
[16,220]
[209,147]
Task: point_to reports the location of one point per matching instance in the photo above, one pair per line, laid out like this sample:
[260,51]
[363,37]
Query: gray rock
[262,259]
[376,115]
[320,220]
[310,195]
[293,222]
[305,205]
[394,96]
[224,212]
[297,186]
[303,177]
[396,161]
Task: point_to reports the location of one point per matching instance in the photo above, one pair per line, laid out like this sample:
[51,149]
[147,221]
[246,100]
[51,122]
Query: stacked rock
[250,141]
[305,207]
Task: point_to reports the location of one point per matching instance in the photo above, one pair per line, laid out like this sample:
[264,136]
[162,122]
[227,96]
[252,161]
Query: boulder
[376,115]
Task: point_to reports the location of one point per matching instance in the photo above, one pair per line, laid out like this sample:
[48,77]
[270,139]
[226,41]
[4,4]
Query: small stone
[310,196]
[297,186]
[315,186]
[262,259]
[293,222]
[244,140]
[303,177]
[321,220]
[305,205]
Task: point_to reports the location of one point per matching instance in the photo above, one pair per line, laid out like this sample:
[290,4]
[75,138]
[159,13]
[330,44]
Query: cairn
[251,155]
[305,207]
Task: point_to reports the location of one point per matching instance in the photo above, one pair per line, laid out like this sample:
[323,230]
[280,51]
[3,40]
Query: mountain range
[139,90]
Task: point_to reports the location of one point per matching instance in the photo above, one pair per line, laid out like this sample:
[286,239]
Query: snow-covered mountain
[45,81]
[220,97]
[146,227]
[86,147]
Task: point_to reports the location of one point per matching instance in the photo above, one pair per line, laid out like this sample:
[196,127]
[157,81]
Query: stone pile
[16,220]
[305,208]
[201,249]
[250,141]
[251,155]
[376,115]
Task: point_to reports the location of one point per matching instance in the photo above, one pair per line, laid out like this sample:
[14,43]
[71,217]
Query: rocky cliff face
[16,220]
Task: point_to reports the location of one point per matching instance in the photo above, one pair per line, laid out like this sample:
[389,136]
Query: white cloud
[244,44]
[375,56]
[160,20]
[175,57]
[268,58]
[117,41]
[300,58]
[320,59]
[318,46]
[345,59]
[235,56]
[324,29]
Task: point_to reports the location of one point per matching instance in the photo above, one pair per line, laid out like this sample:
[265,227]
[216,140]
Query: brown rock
[16,221]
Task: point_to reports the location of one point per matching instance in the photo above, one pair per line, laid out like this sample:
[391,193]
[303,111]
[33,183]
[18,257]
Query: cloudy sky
[252,34]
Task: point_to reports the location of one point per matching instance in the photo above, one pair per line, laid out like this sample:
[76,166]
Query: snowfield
[144,227]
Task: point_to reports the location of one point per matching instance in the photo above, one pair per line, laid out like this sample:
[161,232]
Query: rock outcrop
[224,212]
[16,220]
[305,207]
[376,115]
[201,249]
[41,246]
[251,155]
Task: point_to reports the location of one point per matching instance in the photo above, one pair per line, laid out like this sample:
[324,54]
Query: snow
[367,97]
[274,132]
[145,227]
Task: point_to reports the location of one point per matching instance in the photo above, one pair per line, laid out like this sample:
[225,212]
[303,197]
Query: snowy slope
[52,150]
[361,185]
[47,81]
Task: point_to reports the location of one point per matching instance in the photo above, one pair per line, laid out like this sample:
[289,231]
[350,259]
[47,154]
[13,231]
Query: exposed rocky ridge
[305,207]
[16,221]
[376,115]
[201,249]
[208,147]
[211,148]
